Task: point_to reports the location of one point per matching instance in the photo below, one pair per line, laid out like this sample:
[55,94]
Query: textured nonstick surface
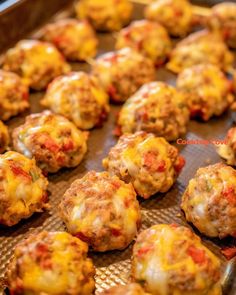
[114,267]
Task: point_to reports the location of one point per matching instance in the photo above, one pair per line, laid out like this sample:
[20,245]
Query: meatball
[38,63]
[148,38]
[223,18]
[80,98]
[150,163]
[209,201]
[23,188]
[51,263]
[175,15]
[4,137]
[101,210]
[228,150]
[131,289]
[75,39]
[122,72]
[109,15]
[172,258]
[52,140]
[14,95]
[157,108]
[200,48]
[207,89]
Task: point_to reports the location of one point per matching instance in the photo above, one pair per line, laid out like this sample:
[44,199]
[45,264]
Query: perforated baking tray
[114,267]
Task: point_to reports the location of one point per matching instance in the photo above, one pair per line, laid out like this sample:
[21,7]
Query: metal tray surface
[114,267]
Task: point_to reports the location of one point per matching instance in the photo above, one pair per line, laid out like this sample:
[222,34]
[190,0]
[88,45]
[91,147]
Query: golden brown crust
[4,137]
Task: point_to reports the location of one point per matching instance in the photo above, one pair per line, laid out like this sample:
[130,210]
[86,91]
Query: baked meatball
[131,289]
[157,108]
[209,201]
[149,38]
[175,15]
[14,95]
[150,163]
[52,140]
[207,89]
[80,98]
[23,188]
[200,48]
[223,18]
[172,259]
[75,39]
[228,150]
[4,137]
[51,263]
[122,72]
[109,15]
[101,210]
[38,63]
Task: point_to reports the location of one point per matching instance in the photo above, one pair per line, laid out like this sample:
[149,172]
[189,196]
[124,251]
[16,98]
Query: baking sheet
[114,267]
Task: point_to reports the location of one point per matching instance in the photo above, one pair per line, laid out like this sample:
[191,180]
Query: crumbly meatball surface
[101,210]
[207,89]
[150,163]
[175,15]
[14,95]
[80,98]
[172,259]
[4,137]
[51,263]
[157,108]
[37,62]
[200,48]
[122,72]
[23,188]
[223,19]
[75,39]
[209,201]
[228,150]
[130,289]
[149,38]
[52,140]
[109,15]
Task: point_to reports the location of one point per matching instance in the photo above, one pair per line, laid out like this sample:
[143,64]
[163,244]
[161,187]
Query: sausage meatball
[131,289]
[200,48]
[122,72]
[23,188]
[75,39]
[228,150]
[101,210]
[52,140]
[172,259]
[38,63]
[14,95]
[223,18]
[175,15]
[209,201]
[4,137]
[109,15]
[80,98]
[51,263]
[157,108]
[207,90]
[150,163]
[148,38]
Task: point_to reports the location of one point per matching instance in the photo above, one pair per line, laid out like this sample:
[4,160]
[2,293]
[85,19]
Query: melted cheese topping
[144,36]
[200,48]
[53,263]
[111,15]
[79,97]
[101,207]
[175,15]
[163,255]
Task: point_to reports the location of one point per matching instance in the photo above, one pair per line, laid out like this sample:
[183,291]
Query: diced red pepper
[174,225]
[25,95]
[51,145]
[116,232]
[229,253]
[197,255]
[117,131]
[180,164]
[230,195]
[18,171]
[143,251]
[112,92]
[68,146]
